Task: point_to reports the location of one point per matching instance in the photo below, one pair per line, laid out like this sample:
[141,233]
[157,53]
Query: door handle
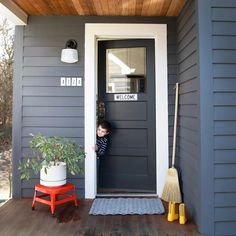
[101,110]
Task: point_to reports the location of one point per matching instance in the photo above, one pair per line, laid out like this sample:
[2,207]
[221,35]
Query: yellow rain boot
[171,214]
[182,215]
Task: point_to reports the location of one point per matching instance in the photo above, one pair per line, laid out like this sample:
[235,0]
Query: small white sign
[63,81]
[125,97]
[68,81]
[79,81]
[73,81]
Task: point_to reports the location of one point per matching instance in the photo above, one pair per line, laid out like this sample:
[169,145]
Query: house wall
[216,73]
[40,104]
[188,144]
[223,20]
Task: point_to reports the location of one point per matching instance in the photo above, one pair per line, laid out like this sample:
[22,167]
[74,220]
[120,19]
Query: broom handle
[175,122]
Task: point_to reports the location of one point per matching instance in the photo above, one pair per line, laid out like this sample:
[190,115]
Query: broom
[171,191]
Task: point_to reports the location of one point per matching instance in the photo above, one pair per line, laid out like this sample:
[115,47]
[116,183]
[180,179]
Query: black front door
[126,95]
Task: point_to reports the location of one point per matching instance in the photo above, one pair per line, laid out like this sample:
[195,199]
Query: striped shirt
[101,146]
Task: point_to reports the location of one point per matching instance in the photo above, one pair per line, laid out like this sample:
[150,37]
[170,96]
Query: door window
[126,70]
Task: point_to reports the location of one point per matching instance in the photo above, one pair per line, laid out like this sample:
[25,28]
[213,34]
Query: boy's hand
[95,148]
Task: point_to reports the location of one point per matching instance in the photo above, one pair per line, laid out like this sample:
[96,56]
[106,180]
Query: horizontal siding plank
[48,61]
[225,113]
[53,91]
[224,28]
[188,122]
[186,151]
[27,152]
[224,70]
[225,199]
[225,228]
[188,182]
[26,140]
[55,30]
[189,164]
[188,74]
[224,42]
[188,62]
[225,156]
[225,170]
[191,134]
[53,122]
[225,128]
[64,132]
[187,39]
[33,181]
[225,99]
[187,27]
[41,81]
[225,84]
[43,52]
[53,111]
[189,87]
[225,56]
[50,41]
[66,71]
[188,110]
[225,142]
[184,16]
[224,3]
[187,51]
[224,14]
[53,101]
[191,159]
[225,214]
[225,185]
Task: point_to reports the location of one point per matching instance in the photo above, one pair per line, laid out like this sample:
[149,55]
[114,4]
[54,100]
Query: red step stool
[54,193]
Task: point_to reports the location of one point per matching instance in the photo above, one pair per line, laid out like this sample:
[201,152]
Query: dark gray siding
[42,105]
[188,134]
[224,81]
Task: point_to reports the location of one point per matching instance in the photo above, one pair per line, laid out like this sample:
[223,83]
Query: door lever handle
[101,110]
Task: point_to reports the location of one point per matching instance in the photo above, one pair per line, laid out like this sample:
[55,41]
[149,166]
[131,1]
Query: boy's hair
[105,125]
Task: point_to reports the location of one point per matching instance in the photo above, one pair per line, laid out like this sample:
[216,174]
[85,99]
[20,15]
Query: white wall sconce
[70,53]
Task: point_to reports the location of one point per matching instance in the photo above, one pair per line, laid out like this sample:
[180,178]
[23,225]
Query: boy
[102,138]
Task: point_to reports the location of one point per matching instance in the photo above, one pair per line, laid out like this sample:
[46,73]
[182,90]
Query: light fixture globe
[70,53]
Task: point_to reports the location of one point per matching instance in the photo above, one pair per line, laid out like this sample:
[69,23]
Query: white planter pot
[56,175]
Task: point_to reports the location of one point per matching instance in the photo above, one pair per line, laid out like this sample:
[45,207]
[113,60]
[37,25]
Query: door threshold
[126,195]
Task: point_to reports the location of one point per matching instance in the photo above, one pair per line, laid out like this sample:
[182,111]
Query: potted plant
[52,156]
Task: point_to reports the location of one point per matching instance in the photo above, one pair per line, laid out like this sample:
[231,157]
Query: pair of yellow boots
[172,216]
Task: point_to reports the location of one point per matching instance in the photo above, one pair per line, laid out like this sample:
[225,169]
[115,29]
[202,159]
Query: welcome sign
[126,97]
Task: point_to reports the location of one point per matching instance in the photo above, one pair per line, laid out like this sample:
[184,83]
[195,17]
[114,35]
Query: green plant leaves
[50,151]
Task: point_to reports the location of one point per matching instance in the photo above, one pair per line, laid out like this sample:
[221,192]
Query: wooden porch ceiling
[102,7]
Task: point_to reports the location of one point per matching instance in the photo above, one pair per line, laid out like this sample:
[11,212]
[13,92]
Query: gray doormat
[126,206]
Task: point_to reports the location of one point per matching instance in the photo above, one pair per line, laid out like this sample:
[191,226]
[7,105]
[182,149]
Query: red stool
[54,193]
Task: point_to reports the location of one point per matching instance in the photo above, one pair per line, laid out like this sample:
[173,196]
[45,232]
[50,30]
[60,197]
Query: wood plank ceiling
[102,7]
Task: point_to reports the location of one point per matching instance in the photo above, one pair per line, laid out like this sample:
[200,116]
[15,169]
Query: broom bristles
[171,191]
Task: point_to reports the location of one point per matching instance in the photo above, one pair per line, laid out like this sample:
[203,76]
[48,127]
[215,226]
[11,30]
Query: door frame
[95,32]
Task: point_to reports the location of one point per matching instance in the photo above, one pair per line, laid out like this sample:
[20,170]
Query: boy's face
[101,132]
